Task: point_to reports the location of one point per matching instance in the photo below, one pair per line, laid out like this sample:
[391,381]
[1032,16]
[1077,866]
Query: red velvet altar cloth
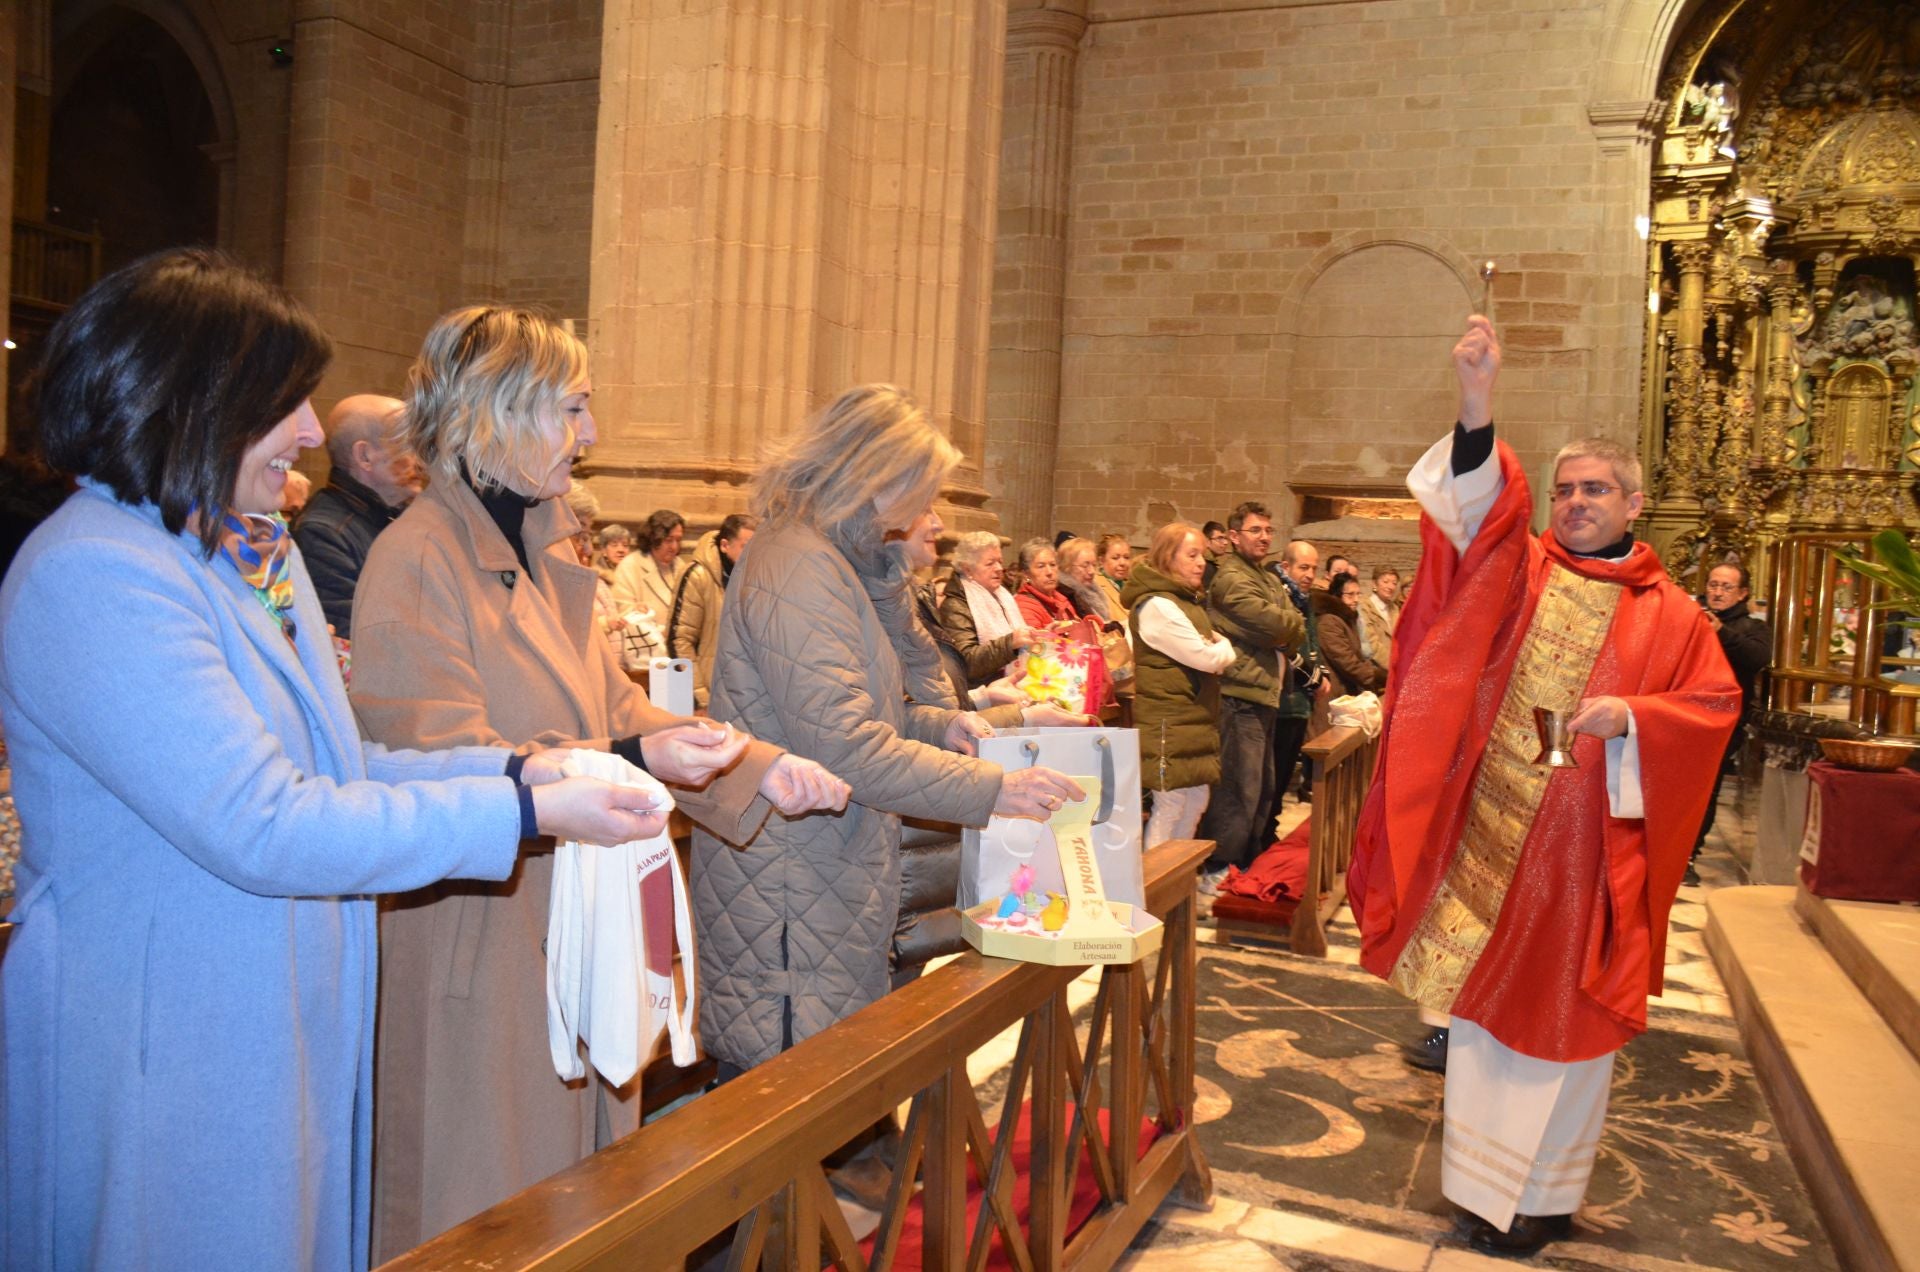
[1581,934]
[1863,830]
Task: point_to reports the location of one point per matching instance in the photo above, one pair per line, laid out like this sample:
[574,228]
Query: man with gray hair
[373,479]
[1525,898]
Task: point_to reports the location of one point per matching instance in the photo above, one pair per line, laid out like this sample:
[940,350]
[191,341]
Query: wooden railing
[747,1156]
[52,266]
[1342,759]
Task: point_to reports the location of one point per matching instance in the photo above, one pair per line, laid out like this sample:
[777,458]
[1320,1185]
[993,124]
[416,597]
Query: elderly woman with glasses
[982,620]
[187,1007]
[1041,598]
[474,624]
[794,930]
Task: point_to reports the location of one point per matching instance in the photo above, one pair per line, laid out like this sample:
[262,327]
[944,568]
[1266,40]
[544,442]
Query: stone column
[1624,132]
[1685,402]
[1023,369]
[791,197]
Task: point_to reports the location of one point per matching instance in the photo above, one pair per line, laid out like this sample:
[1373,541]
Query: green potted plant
[1897,571]
[1896,568]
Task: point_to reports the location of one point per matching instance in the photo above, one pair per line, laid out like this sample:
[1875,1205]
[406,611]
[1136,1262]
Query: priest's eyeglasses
[1591,489]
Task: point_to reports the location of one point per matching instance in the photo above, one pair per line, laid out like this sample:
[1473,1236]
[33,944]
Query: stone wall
[442,153]
[552,103]
[384,130]
[1278,216]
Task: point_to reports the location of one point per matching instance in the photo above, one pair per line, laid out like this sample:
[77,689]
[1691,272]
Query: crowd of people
[286,868]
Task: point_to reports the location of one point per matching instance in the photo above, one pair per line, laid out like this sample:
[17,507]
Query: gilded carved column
[1731,479]
[791,197]
[1685,416]
[1023,370]
[1782,288]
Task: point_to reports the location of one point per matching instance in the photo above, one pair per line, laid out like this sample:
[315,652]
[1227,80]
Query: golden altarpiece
[1782,393]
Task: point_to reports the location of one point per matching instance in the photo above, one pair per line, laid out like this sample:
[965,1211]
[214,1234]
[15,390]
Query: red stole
[1580,939]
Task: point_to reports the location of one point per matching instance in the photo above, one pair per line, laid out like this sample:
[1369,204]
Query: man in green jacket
[1248,607]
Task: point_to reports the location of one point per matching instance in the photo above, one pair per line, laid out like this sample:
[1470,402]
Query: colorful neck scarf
[259,548]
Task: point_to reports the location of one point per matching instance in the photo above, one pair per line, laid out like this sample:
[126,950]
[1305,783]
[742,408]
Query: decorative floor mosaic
[1325,1143]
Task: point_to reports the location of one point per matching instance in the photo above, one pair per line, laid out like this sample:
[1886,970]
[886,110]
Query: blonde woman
[794,929]
[1079,574]
[982,621]
[474,624]
[1116,562]
[1178,659]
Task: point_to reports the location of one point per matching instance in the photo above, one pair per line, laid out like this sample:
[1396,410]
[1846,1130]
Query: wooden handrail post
[1124,1059]
[1047,1130]
[944,1199]
[795,1244]
[1195,1188]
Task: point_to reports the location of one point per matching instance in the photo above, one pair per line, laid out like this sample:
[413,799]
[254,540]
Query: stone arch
[1639,35]
[1360,240]
[85,27]
[1370,320]
[184,22]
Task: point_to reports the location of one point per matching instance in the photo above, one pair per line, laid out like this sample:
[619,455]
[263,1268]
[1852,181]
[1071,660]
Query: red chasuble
[1504,893]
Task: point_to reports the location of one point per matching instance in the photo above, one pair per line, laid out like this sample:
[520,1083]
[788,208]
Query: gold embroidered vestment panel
[1556,657]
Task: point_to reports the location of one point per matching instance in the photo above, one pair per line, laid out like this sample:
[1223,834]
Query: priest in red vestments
[1530,903]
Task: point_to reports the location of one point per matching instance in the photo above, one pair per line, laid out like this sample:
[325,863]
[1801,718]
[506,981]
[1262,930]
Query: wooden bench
[1342,759]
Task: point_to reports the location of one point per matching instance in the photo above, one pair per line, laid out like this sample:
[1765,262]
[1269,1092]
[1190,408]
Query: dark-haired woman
[647,579]
[1337,620]
[187,1004]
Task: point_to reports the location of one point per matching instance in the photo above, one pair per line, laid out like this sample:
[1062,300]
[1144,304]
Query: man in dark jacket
[1748,644]
[1306,679]
[372,480]
[1249,608]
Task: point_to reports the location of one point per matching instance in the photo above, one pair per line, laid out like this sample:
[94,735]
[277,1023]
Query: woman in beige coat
[646,579]
[474,624]
[794,930]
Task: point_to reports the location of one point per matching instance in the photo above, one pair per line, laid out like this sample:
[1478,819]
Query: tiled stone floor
[1244,1235]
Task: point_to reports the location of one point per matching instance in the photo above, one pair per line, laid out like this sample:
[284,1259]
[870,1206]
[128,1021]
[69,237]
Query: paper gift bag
[990,855]
[670,685]
[1069,671]
[1072,927]
[612,920]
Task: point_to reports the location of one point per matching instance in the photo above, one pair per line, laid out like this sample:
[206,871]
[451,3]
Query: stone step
[1877,944]
[1844,1088]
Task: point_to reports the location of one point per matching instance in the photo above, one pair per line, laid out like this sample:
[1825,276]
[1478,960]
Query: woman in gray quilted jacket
[793,930]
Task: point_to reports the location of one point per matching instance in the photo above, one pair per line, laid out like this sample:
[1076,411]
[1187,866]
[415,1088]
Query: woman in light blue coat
[187,1004]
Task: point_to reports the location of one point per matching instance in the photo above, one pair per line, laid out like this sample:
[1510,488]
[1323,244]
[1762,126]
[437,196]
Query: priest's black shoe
[1528,1235]
[1430,1053]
